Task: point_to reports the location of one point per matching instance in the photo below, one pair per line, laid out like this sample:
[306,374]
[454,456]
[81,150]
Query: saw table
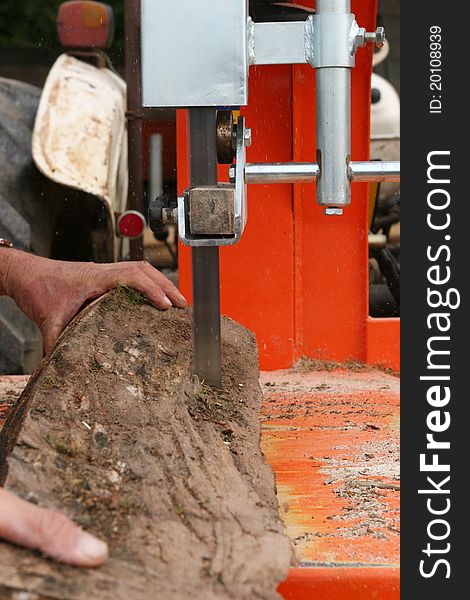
[332,438]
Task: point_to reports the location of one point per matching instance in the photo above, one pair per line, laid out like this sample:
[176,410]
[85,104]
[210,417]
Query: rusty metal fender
[80,137]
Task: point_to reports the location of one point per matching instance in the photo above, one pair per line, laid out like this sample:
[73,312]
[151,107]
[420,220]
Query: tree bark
[115,431]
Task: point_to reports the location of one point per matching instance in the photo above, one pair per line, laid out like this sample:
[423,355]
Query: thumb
[48,531]
[50,335]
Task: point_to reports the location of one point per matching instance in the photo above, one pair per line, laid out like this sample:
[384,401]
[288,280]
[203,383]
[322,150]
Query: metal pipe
[281,173]
[374,171]
[333,135]
[205,260]
[135,198]
[156,166]
[333,108]
[333,6]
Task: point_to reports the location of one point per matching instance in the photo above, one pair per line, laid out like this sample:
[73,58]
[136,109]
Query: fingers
[148,280]
[142,282]
[171,291]
[50,335]
[48,531]
[95,280]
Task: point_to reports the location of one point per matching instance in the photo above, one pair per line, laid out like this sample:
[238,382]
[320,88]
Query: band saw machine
[197,55]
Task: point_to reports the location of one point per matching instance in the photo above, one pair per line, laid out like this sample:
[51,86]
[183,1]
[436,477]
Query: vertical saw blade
[205,260]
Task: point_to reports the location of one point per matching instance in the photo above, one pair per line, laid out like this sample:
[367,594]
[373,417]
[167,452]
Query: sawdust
[365,478]
[355,418]
[307,365]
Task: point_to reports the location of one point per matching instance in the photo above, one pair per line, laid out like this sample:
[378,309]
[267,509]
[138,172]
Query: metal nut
[376,37]
[359,39]
[379,37]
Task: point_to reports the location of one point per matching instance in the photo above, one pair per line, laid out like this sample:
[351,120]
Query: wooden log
[115,431]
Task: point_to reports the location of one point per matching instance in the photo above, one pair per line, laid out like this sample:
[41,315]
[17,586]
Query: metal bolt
[170,215]
[333,211]
[247,137]
[376,37]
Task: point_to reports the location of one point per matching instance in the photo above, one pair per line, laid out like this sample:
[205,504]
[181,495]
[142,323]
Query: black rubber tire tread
[26,217]
[39,216]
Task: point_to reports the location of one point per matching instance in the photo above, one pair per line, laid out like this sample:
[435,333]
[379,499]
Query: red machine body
[298,278]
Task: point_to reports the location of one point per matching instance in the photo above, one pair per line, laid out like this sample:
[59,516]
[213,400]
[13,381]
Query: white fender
[80,137]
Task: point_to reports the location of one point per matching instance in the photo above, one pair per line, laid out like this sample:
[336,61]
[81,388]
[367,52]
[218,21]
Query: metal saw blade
[205,260]
[206,315]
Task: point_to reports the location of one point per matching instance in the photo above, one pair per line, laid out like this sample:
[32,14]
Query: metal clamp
[331,35]
[201,223]
[328,41]
[237,190]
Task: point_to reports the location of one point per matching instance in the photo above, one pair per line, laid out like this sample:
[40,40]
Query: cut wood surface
[115,431]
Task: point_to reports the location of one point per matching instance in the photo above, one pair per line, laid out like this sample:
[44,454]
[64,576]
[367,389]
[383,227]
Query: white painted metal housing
[194,53]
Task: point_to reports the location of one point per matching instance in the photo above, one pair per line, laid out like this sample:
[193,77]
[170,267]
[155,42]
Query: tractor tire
[38,216]
[28,216]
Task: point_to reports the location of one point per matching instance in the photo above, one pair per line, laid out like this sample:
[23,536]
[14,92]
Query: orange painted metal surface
[257,274]
[298,279]
[331,253]
[383,343]
[332,438]
[341,583]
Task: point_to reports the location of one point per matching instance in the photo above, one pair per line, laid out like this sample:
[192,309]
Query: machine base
[332,438]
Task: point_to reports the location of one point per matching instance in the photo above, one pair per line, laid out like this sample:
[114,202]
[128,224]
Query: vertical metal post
[333,107]
[156,166]
[135,199]
[205,260]
[333,6]
[333,135]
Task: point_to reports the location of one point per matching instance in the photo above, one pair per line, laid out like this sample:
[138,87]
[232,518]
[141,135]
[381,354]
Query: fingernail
[91,548]
[168,301]
[182,297]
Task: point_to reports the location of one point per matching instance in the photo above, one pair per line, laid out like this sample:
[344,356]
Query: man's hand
[48,531]
[51,292]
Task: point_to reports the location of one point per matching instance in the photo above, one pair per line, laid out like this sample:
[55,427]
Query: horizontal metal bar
[374,171]
[276,43]
[310,172]
[281,173]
